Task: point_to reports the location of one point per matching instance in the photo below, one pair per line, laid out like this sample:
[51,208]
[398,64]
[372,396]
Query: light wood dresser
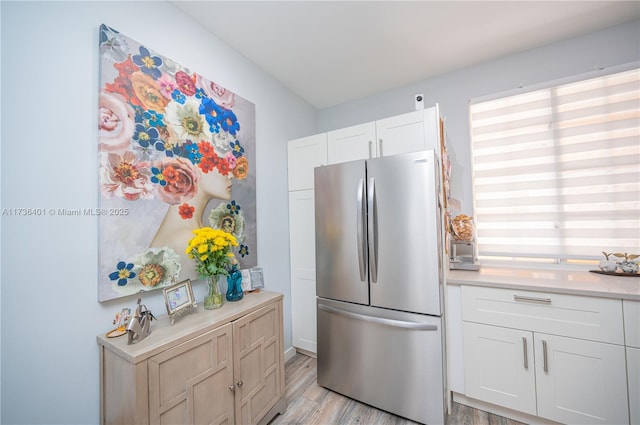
[222,366]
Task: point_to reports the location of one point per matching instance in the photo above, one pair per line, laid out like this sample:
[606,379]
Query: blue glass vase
[234,285]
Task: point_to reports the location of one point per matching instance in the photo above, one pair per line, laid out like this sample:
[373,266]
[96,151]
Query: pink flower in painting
[115,123]
[185,83]
[182,179]
[167,85]
[123,176]
[231,159]
[219,94]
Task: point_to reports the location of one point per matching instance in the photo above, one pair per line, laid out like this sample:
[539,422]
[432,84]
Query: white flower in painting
[157,267]
[186,121]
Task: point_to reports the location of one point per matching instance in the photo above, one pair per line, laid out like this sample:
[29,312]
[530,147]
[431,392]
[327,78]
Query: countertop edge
[576,282]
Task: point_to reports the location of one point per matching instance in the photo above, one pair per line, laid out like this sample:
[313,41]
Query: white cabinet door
[352,143]
[499,366]
[631,323]
[303,269]
[580,381]
[401,134]
[303,155]
[633,376]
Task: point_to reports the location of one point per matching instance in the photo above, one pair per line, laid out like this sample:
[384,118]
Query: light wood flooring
[311,404]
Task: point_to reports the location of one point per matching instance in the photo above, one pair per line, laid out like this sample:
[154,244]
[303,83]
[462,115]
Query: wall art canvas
[176,153]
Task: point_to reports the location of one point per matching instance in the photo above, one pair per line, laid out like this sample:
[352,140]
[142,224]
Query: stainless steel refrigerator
[379,283]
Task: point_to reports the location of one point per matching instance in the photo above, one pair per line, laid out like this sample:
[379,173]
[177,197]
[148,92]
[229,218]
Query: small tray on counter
[615,273]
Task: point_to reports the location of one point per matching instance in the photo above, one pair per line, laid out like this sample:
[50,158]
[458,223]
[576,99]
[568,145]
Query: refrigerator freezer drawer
[388,359]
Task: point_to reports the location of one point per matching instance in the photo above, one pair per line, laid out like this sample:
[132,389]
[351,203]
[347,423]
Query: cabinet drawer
[631,323]
[592,318]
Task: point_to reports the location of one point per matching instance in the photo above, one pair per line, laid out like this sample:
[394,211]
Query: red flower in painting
[186,211]
[185,83]
[126,68]
[223,167]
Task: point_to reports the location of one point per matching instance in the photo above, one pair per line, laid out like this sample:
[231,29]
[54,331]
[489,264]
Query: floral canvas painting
[176,153]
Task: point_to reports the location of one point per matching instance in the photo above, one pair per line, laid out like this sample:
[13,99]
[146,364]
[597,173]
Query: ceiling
[331,52]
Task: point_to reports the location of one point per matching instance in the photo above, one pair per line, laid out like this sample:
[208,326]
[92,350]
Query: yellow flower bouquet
[211,249]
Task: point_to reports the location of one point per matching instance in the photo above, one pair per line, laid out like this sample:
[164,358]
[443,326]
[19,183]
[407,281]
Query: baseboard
[306,352]
[289,353]
[501,411]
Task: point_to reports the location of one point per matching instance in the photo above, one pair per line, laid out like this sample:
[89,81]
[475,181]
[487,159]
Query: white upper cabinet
[352,143]
[410,132]
[303,156]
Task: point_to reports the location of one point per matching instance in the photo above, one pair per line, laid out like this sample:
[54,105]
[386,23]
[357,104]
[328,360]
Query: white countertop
[579,282]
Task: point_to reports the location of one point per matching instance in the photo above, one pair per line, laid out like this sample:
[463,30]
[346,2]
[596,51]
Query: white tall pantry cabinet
[404,133]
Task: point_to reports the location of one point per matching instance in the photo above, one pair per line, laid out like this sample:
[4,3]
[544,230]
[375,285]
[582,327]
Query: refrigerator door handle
[362,231]
[372,226]
[380,320]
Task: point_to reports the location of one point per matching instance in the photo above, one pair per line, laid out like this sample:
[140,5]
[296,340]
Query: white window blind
[556,172]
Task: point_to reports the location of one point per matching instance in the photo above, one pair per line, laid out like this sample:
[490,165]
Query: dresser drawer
[596,319]
[631,323]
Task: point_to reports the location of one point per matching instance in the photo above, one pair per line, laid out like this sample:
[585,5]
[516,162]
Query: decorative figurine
[140,325]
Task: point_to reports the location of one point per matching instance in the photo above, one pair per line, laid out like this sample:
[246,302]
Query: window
[556,172]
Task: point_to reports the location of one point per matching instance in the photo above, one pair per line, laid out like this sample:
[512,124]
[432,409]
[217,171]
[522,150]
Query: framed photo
[257,281]
[178,297]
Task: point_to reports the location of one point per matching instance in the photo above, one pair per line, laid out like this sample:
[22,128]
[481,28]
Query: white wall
[608,48]
[49,313]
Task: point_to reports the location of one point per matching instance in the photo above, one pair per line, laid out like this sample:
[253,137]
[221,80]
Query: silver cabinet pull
[239,383]
[370,145]
[380,148]
[526,356]
[544,356]
[232,388]
[532,299]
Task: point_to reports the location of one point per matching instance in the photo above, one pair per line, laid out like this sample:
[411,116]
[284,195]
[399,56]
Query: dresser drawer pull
[532,299]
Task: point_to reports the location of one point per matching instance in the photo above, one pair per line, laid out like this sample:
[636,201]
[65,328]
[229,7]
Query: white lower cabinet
[512,360]
[580,382]
[498,364]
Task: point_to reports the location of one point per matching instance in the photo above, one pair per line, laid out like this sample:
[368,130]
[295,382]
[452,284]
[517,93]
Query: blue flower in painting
[192,152]
[200,93]
[178,96]
[212,113]
[157,177]
[243,250]
[154,118]
[237,149]
[123,273]
[147,63]
[145,136]
[229,122]
[233,207]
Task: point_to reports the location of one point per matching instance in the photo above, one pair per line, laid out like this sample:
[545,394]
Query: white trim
[289,353]
[600,72]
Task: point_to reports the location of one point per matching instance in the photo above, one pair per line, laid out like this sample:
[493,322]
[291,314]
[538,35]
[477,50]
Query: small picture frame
[257,281]
[178,298]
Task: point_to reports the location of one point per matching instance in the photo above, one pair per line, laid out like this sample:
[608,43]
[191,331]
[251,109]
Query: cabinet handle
[239,383]
[544,357]
[532,299]
[232,388]
[370,145]
[380,148]
[524,348]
